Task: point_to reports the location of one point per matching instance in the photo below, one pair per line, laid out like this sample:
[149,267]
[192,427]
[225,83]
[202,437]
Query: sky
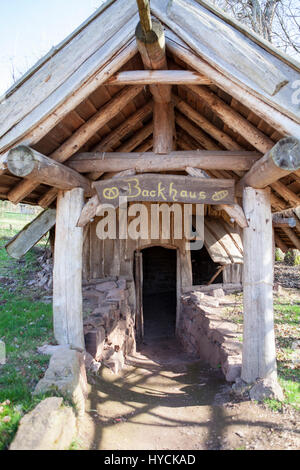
[29,28]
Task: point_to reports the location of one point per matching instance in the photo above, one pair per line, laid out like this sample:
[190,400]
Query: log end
[20,161]
[155,35]
[286,154]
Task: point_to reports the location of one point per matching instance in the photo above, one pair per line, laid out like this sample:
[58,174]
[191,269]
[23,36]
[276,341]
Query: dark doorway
[203,267]
[159,292]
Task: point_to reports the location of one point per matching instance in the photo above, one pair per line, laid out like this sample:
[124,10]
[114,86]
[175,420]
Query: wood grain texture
[31,234]
[259,356]
[67,270]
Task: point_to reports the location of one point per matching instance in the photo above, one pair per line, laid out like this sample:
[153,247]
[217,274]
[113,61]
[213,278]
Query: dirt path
[165,400]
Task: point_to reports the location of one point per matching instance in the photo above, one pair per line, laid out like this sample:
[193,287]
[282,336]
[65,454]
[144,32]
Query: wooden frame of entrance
[180,264]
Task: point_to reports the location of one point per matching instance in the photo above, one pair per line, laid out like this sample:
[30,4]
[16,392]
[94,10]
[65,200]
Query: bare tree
[278,21]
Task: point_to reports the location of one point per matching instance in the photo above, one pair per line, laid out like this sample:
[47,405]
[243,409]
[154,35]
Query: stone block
[66,375]
[94,342]
[49,426]
[105,286]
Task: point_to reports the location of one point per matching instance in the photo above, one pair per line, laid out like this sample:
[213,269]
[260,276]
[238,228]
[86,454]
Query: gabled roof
[56,101]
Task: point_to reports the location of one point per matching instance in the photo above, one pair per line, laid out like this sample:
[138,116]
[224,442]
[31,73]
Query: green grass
[286,319]
[25,324]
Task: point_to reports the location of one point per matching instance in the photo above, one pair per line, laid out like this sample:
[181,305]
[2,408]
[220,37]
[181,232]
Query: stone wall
[109,327]
[205,334]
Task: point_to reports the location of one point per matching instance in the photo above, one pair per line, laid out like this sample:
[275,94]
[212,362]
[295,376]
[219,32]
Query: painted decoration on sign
[166,188]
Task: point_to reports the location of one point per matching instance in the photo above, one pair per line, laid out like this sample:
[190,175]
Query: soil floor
[165,400]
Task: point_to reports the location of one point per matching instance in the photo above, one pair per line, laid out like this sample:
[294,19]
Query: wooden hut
[178,93]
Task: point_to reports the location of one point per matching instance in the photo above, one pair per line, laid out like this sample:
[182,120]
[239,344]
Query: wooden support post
[259,357]
[150,40]
[67,272]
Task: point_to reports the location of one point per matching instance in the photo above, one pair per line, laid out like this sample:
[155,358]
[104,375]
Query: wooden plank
[176,161]
[225,47]
[205,124]
[224,238]
[204,140]
[281,121]
[67,271]
[292,237]
[64,64]
[104,63]
[259,355]
[166,188]
[80,137]
[280,101]
[31,234]
[233,119]
[215,250]
[107,143]
[162,77]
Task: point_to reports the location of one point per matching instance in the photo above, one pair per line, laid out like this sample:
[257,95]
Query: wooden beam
[259,355]
[137,139]
[204,140]
[286,193]
[31,234]
[281,160]
[234,211]
[105,62]
[176,160]
[67,270]
[48,198]
[161,77]
[107,143]
[233,119]
[275,118]
[151,45]
[205,125]
[145,146]
[279,221]
[25,162]
[80,137]
[280,243]
[292,237]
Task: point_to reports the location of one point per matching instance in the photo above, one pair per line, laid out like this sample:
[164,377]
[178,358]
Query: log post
[259,357]
[67,271]
[150,40]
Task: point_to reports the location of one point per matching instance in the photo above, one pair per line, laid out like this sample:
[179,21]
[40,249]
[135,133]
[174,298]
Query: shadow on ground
[164,399]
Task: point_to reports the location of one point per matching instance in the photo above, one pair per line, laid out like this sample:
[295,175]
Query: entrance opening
[159,291]
[204,267]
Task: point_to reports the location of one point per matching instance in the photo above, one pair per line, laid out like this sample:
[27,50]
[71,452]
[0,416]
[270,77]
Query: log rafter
[79,138]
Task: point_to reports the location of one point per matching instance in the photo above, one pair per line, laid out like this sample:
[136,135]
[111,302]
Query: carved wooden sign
[166,188]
